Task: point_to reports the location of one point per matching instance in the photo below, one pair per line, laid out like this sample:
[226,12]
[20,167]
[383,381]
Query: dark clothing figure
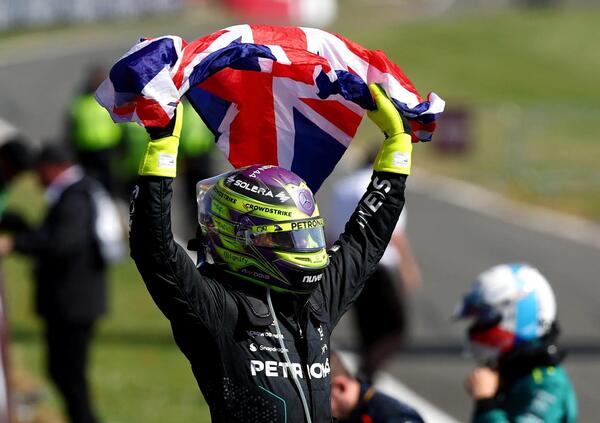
[381,318]
[533,384]
[377,407]
[15,158]
[70,285]
[67,359]
[224,325]
[99,165]
[382,315]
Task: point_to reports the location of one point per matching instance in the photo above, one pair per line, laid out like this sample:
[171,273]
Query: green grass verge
[530,80]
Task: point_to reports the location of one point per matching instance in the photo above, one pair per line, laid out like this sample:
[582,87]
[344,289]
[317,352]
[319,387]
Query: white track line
[489,203]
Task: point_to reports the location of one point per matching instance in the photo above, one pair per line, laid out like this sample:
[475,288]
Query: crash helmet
[509,306]
[262,224]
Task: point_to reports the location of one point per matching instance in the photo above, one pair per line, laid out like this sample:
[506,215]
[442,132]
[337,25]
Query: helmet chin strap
[287,358]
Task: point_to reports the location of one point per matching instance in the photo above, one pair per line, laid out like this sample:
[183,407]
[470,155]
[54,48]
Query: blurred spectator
[69,274]
[92,133]
[196,148]
[513,337]
[356,402]
[15,158]
[381,310]
[132,146]
[454,131]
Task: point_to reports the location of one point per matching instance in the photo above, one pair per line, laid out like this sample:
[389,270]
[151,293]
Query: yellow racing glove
[395,153]
[160,158]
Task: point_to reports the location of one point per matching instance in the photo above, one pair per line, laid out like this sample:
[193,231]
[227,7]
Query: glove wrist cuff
[160,158]
[395,155]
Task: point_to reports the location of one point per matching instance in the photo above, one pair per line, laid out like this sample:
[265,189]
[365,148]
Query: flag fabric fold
[288,96]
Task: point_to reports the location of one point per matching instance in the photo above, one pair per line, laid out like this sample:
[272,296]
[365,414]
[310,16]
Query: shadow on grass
[130,337]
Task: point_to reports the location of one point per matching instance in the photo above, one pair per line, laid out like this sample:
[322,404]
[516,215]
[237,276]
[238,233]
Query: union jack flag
[288,96]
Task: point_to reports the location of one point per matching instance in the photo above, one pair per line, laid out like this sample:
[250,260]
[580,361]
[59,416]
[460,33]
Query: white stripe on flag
[225,127]
[279,54]
[162,89]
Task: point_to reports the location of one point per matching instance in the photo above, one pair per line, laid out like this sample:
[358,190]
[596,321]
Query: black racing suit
[223,325]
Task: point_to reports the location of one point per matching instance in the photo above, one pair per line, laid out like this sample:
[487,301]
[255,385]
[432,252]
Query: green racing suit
[542,394]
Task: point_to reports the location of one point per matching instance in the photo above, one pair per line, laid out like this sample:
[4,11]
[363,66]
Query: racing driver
[255,315]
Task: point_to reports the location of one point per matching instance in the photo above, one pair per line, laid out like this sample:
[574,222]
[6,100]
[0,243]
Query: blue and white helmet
[509,305]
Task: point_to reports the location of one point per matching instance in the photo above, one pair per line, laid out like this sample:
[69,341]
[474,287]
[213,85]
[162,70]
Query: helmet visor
[305,235]
[202,187]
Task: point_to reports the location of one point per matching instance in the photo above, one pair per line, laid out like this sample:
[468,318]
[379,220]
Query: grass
[138,373]
[530,82]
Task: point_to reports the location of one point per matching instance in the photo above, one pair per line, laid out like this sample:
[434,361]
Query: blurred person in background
[132,146]
[353,401]
[92,133]
[15,158]
[513,337]
[69,273]
[381,309]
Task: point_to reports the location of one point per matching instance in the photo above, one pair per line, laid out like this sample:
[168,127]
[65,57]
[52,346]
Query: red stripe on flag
[284,36]
[151,113]
[418,126]
[223,84]
[253,136]
[335,112]
[302,68]
[297,72]
[124,109]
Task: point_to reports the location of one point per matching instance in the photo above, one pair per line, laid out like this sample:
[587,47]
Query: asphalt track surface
[452,243]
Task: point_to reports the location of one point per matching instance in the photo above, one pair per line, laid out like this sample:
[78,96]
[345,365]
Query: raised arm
[354,257]
[177,287]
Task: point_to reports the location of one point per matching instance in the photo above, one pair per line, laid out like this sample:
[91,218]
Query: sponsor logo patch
[373,200]
[283,197]
[167,161]
[265,192]
[250,206]
[312,278]
[258,171]
[278,369]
